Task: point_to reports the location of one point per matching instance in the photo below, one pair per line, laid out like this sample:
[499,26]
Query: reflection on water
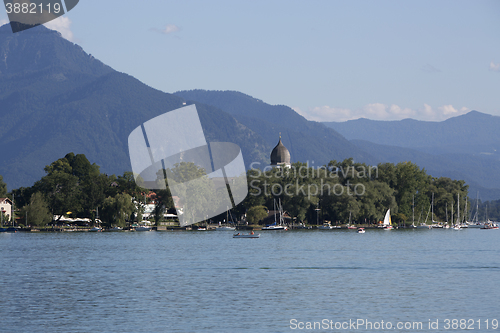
[210,282]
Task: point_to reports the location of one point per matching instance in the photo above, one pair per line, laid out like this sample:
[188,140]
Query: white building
[6,208]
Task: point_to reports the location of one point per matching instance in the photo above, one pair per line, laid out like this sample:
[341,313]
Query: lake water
[282,282]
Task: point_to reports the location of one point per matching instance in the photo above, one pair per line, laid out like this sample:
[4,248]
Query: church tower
[280,156]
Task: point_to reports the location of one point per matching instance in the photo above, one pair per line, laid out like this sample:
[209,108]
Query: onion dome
[280,155]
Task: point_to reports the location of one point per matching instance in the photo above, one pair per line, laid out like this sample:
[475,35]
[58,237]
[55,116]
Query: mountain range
[55,98]
[464,147]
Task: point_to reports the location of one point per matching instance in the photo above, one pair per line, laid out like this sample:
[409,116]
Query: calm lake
[282,282]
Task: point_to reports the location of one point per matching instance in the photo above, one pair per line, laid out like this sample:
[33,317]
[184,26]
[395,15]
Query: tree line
[336,192]
[343,191]
[74,187]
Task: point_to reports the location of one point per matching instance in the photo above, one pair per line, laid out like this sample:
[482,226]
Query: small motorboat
[490,225]
[143,228]
[225,228]
[250,235]
[274,227]
[361,230]
[96,229]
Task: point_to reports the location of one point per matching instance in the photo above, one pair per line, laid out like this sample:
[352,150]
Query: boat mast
[477,208]
[458,209]
[413,211]
[465,212]
[446,212]
[452,205]
[432,205]
[274,206]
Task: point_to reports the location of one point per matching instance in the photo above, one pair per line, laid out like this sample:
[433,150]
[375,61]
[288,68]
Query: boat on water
[387,221]
[303,226]
[143,228]
[349,225]
[489,225]
[278,224]
[476,223]
[226,227]
[325,226]
[361,230]
[11,230]
[274,227]
[250,235]
[115,229]
[96,229]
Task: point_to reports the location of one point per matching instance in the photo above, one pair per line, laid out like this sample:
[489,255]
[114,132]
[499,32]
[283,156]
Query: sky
[328,60]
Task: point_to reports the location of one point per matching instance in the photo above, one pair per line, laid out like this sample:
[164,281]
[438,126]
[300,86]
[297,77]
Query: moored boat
[143,228]
[361,230]
[325,226]
[278,224]
[225,228]
[387,220]
[490,225]
[274,227]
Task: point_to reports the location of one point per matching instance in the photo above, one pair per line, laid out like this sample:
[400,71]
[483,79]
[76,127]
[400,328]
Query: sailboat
[476,223]
[226,227]
[387,220]
[457,225]
[277,225]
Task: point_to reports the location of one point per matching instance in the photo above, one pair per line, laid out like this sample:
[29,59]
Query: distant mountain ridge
[67,101]
[463,147]
[461,134]
[306,140]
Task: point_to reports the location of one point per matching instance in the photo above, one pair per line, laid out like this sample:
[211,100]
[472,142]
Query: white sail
[387,218]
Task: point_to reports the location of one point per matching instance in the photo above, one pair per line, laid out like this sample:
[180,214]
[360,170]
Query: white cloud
[495,67]
[168,29]
[379,111]
[325,113]
[63,25]
[448,110]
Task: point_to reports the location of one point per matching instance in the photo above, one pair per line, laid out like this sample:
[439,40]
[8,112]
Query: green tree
[94,192]
[255,214]
[62,191]
[37,212]
[3,188]
[118,209]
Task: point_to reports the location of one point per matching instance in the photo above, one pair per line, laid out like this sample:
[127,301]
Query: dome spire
[280,156]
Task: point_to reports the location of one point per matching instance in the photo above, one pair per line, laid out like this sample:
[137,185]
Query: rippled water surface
[210,282]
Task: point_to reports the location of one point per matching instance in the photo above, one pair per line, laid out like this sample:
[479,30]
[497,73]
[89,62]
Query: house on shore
[6,208]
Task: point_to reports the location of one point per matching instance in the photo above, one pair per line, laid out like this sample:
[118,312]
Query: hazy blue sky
[329,60]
